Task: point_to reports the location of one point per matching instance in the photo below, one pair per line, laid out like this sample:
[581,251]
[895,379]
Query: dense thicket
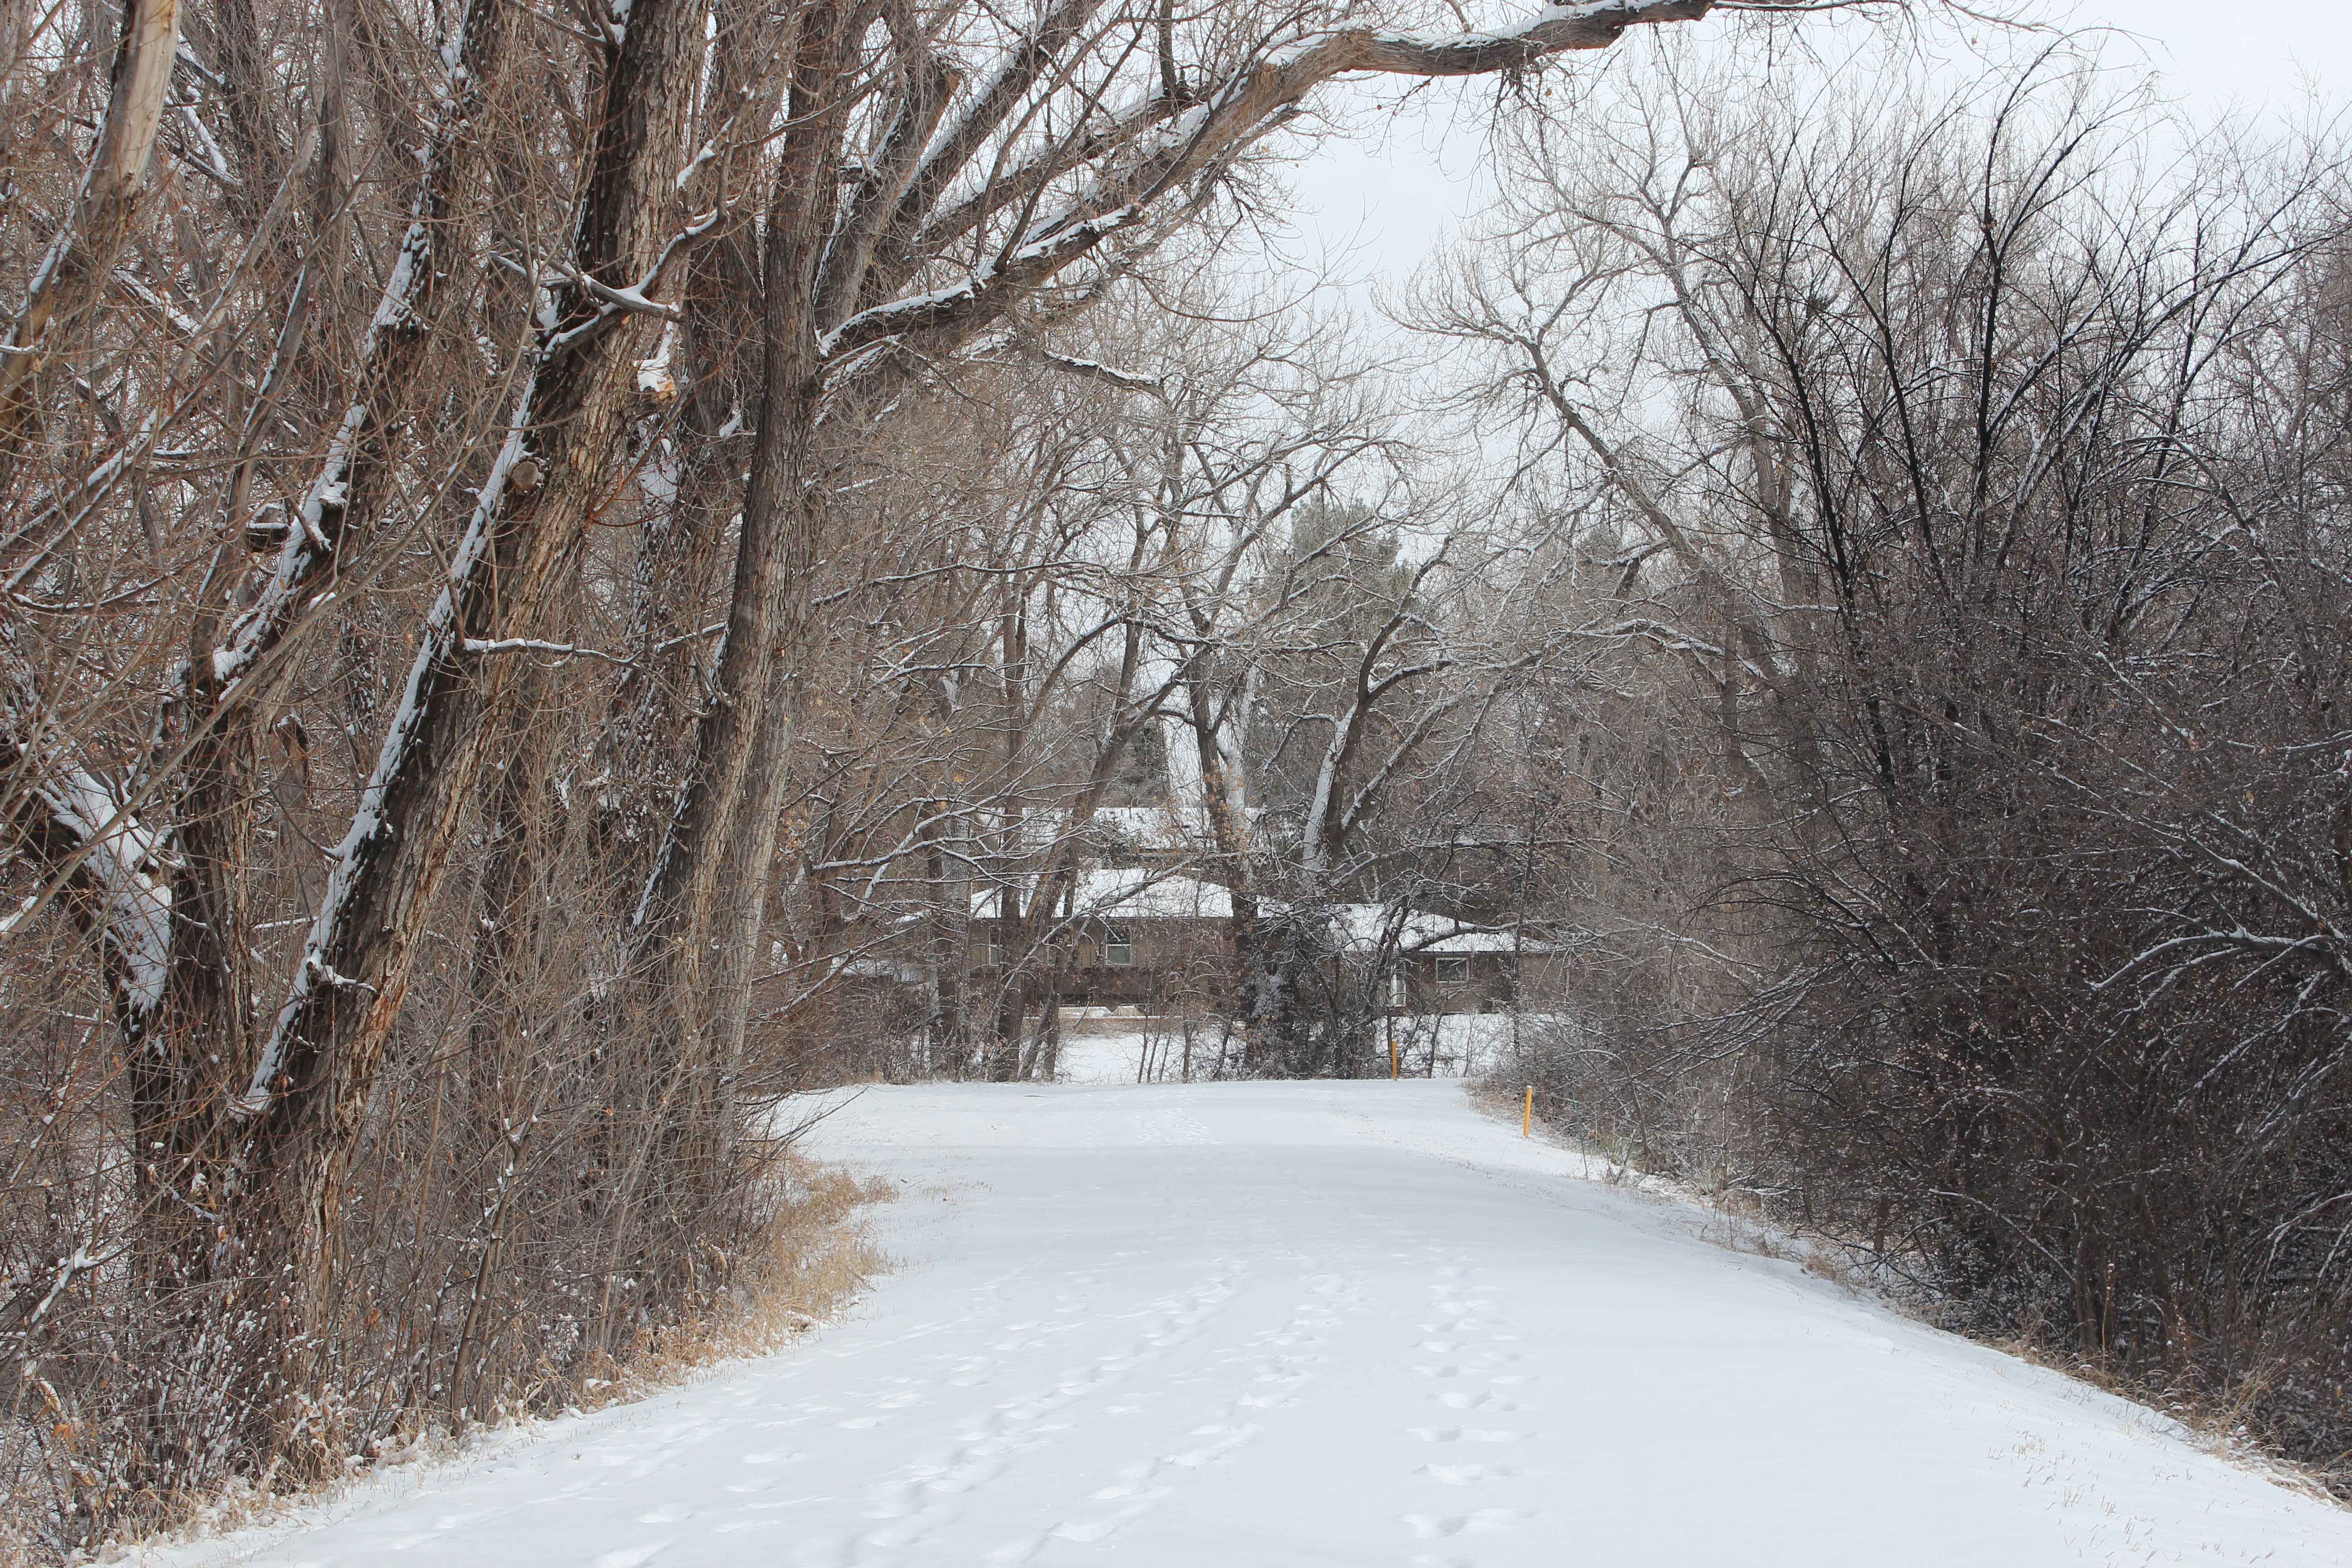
[1975,480]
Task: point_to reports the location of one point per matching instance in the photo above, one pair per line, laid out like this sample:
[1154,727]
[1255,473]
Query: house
[1125,936]
[1436,963]
[1131,936]
[1463,971]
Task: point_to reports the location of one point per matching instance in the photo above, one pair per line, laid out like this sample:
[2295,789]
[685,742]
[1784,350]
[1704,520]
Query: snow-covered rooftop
[1366,925]
[1132,893]
[1170,829]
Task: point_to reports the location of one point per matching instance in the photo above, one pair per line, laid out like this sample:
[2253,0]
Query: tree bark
[558,461]
[66,291]
[701,935]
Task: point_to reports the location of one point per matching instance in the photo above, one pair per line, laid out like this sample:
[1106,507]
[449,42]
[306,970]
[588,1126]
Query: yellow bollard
[1392,1051]
[1527,1116]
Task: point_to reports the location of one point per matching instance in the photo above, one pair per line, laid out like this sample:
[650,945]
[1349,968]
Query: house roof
[1366,925]
[1467,941]
[1175,828]
[1133,893]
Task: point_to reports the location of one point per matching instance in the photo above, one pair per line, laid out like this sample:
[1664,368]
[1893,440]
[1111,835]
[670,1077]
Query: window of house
[993,955]
[1118,947]
[1454,972]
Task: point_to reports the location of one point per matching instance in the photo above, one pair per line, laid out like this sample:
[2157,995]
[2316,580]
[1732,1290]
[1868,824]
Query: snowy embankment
[1321,1322]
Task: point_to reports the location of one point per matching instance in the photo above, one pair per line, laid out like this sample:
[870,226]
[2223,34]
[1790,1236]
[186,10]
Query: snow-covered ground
[1107,1045]
[1350,1323]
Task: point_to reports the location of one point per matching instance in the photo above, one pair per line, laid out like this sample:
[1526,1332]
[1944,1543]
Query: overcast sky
[1378,201]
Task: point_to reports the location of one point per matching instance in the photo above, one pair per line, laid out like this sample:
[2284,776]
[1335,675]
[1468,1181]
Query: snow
[1278,1323]
[1162,829]
[1121,1046]
[121,857]
[1127,892]
[125,865]
[1367,926]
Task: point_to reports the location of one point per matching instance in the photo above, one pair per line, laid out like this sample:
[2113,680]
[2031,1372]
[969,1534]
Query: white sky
[1376,201]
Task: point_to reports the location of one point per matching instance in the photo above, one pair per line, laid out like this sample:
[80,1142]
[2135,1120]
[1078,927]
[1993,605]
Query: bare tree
[1952,444]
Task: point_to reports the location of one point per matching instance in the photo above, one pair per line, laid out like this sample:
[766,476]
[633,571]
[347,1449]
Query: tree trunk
[701,938]
[65,293]
[558,461]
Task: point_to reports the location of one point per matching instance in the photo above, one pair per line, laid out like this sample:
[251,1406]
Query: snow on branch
[981,297]
[442,639]
[1551,30]
[635,299]
[1132,381]
[308,548]
[1154,146]
[1005,346]
[66,811]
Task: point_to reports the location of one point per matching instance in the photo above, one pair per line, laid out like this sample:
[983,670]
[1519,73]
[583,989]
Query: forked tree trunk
[559,460]
[203,1054]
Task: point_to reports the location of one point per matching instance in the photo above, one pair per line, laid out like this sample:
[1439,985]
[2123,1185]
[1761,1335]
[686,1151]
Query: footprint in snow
[1014,1552]
[628,1556]
[1089,1530]
[1463,1475]
[1227,1438]
[1474,1402]
[1431,1526]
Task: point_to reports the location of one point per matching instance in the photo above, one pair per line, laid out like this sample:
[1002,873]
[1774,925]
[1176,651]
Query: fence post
[1527,1116]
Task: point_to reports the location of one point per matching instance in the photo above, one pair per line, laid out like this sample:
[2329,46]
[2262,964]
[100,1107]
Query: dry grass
[813,1258]
[1731,1217]
[2220,1422]
[805,1267]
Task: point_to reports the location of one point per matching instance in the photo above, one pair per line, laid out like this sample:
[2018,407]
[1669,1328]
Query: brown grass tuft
[803,1268]
[811,1260]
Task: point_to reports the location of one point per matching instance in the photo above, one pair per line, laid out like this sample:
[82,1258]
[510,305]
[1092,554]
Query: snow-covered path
[1321,1323]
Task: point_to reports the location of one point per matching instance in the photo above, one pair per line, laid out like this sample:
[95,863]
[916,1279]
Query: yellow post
[1392,1050]
[1527,1116]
